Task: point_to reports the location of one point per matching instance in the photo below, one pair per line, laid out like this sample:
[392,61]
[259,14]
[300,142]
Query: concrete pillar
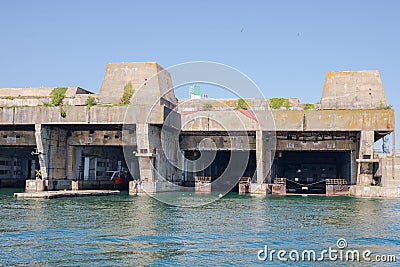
[72,166]
[95,168]
[40,151]
[52,148]
[145,158]
[154,160]
[263,157]
[86,168]
[354,165]
[78,162]
[365,169]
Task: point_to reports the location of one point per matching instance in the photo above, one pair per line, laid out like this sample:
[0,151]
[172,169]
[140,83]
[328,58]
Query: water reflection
[138,231]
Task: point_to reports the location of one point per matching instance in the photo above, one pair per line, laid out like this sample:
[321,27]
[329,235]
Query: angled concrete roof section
[149,77]
[38,92]
[353,90]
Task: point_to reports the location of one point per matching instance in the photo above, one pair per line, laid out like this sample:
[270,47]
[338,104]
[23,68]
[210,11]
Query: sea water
[234,230]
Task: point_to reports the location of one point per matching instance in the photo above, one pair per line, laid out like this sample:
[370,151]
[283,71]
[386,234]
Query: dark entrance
[16,165]
[225,170]
[306,171]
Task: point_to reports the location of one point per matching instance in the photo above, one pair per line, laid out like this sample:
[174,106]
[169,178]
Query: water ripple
[140,231]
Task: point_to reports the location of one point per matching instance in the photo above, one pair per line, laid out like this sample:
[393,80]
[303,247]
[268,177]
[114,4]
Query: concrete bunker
[352,115]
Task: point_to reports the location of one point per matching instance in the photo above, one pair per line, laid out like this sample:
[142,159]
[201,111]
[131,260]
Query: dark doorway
[226,169]
[306,171]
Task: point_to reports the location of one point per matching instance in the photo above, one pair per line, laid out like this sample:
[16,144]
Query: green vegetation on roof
[207,106]
[90,101]
[278,103]
[127,95]
[57,95]
[241,104]
[309,106]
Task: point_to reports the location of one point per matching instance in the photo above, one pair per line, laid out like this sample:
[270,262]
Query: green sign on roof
[196,90]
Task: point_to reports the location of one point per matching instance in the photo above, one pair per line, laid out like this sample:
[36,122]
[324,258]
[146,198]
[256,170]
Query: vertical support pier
[279,187]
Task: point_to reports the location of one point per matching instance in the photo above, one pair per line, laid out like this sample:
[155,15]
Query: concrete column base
[244,188]
[259,189]
[337,190]
[137,187]
[35,186]
[202,187]
[374,191]
[279,189]
[146,187]
[75,185]
[365,179]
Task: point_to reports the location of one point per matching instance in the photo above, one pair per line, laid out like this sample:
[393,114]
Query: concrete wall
[294,120]
[51,115]
[76,100]
[41,92]
[166,88]
[311,120]
[139,74]
[17,138]
[325,145]
[55,151]
[210,142]
[353,89]
[389,168]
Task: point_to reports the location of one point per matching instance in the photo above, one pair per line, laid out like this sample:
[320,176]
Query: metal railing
[204,179]
[336,181]
[280,181]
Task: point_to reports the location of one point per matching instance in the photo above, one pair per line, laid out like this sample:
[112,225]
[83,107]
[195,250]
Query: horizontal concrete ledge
[367,160]
[59,194]
[80,115]
[374,191]
[291,120]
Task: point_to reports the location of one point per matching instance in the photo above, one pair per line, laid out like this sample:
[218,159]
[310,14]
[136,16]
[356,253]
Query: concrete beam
[79,115]
[325,145]
[293,120]
[17,138]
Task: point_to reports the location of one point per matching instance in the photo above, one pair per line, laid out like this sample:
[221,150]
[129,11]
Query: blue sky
[286,47]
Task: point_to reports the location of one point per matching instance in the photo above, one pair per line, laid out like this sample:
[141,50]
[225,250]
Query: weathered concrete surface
[22,97]
[52,146]
[92,185]
[366,152]
[292,120]
[77,115]
[353,89]
[279,189]
[34,186]
[17,138]
[25,93]
[158,160]
[337,190]
[320,145]
[352,103]
[260,188]
[374,191]
[150,82]
[389,172]
[219,142]
[264,149]
[389,168]
[77,100]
